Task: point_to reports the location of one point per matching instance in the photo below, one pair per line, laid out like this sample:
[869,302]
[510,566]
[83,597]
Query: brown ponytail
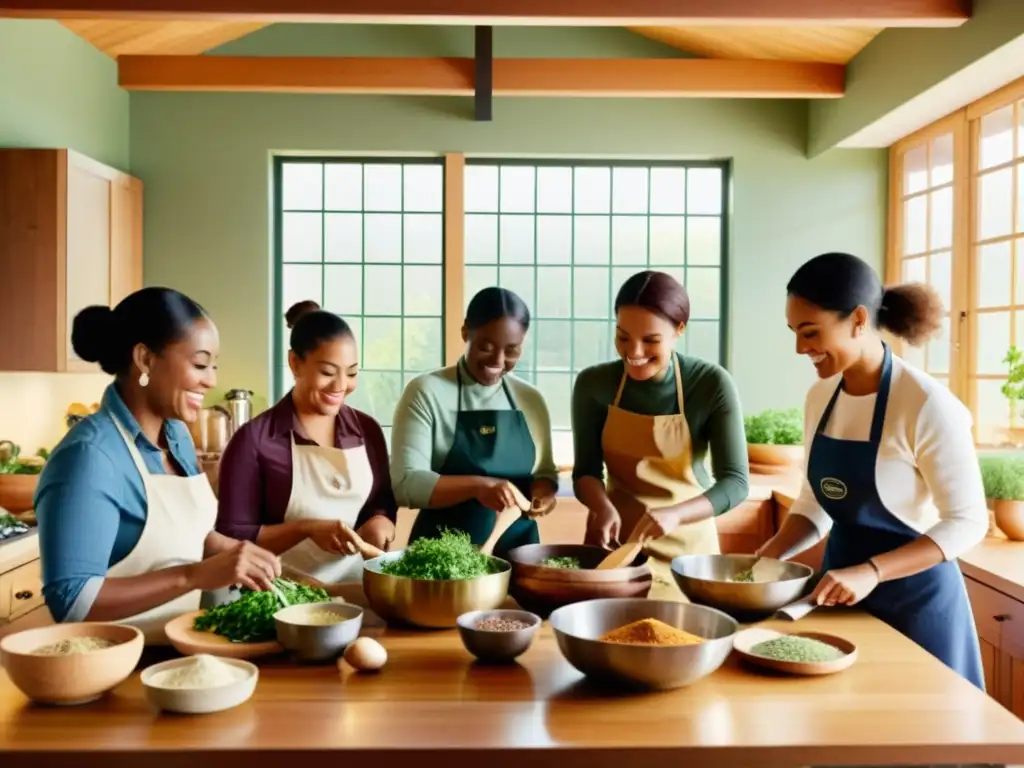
[912,311]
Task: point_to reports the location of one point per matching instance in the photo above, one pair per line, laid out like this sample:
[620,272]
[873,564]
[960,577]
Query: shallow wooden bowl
[17,492]
[77,678]
[747,639]
[542,589]
[189,641]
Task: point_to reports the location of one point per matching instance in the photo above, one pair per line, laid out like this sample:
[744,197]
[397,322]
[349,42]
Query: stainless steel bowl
[579,626]
[496,645]
[317,642]
[431,604]
[706,580]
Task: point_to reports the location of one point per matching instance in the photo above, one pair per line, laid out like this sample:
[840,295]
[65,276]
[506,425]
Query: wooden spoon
[502,524]
[368,551]
[627,553]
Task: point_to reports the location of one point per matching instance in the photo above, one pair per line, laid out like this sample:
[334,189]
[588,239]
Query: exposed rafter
[616,13]
[641,78]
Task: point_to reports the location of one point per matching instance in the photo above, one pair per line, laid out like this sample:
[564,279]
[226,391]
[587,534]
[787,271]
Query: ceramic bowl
[200,701]
[496,645]
[318,642]
[75,678]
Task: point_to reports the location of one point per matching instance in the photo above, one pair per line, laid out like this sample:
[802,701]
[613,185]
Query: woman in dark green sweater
[650,418]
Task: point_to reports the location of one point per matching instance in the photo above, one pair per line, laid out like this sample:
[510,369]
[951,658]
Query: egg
[366,654]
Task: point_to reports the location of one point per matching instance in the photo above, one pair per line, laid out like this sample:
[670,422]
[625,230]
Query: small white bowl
[200,701]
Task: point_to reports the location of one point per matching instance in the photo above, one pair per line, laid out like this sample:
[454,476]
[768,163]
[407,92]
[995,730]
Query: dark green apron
[487,444]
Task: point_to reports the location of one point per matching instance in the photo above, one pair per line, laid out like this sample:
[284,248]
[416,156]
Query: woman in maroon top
[299,477]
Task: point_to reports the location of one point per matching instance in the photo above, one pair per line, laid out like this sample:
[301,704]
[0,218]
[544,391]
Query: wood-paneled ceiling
[834,45]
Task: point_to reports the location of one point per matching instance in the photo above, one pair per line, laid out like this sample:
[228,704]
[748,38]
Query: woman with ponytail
[892,477]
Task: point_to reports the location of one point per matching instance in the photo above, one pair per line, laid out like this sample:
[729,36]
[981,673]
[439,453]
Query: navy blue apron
[931,607]
[489,444]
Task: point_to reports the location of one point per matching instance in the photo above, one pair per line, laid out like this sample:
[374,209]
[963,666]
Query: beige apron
[650,466]
[327,484]
[180,513]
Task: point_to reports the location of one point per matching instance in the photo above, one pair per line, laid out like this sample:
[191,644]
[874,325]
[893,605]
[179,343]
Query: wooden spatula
[502,524]
[627,553]
[368,551]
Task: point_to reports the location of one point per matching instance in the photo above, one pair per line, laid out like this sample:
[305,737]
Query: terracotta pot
[1009,516]
[775,455]
[16,492]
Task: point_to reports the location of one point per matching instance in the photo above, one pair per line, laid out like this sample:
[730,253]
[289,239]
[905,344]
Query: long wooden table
[896,705]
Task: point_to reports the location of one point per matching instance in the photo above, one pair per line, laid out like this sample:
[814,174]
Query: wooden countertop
[998,563]
[897,704]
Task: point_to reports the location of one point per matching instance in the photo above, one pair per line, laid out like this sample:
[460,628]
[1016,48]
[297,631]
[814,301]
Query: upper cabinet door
[88,245]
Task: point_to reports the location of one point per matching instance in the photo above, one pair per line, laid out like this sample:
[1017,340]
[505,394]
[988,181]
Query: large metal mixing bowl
[578,626]
[431,604]
[707,580]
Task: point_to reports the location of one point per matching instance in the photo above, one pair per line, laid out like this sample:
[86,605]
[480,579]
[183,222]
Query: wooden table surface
[895,705]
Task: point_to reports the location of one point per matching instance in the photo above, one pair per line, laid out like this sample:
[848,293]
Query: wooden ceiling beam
[637,78]
[613,13]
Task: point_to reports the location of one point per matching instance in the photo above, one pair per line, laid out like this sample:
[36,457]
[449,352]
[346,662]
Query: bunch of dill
[449,557]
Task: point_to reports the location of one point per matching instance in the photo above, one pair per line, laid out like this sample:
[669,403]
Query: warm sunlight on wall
[32,405]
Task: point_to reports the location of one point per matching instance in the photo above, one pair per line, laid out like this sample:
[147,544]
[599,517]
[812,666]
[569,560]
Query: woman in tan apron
[630,417]
[125,516]
[301,477]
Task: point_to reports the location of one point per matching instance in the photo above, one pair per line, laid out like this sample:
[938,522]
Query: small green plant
[1003,478]
[775,427]
[1013,389]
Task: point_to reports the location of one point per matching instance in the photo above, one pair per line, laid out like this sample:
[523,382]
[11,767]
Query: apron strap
[881,400]
[678,373]
[622,385]
[132,448]
[504,387]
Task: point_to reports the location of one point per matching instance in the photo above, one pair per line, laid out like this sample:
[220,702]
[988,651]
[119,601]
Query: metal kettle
[239,408]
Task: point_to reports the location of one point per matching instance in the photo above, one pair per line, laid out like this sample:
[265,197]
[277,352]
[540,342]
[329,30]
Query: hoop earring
[144,379]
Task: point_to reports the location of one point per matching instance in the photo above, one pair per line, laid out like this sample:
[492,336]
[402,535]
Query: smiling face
[492,350]
[645,341]
[325,376]
[832,343]
[181,375]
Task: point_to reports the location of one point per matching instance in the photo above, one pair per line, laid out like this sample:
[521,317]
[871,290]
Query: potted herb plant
[18,477]
[1004,488]
[775,440]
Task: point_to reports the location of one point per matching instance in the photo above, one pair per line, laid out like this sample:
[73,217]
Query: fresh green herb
[450,557]
[794,648]
[11,462]
[11,526]
[250,618]
[744,577]
[571,563]
[1003,478]
[775,427]
[1013,388]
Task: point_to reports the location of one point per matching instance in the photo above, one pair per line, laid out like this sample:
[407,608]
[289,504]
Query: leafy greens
[450,557]
[250,618]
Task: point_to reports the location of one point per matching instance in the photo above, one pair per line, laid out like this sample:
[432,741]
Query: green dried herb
[794,648]
[250,618]
[744,577]
[571,563]
[450,557]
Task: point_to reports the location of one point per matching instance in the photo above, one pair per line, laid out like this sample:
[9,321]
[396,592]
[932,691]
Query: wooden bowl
[541,589]
[775,455]
[747,639]
[17,492]
[1009,518]
[76,678]
[189,641]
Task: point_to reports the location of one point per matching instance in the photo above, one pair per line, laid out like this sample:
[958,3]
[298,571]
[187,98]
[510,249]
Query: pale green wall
[205,159]
[56,90]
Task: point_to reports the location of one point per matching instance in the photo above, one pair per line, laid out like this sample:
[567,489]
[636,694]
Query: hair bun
[91,333]
[298,310]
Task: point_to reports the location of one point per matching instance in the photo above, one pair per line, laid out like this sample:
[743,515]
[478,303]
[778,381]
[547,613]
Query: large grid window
[566,236]
[998,265]
[364,239]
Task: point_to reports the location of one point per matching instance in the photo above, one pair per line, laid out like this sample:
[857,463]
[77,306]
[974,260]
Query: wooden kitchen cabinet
[1000,622]
[70,236]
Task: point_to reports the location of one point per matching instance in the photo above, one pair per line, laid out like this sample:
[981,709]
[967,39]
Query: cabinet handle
[23,595]
[1002,617]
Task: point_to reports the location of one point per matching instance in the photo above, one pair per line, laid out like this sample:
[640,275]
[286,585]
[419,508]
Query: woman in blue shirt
[125,517]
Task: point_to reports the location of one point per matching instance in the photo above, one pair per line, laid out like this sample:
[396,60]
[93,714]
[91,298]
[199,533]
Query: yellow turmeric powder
[650,632]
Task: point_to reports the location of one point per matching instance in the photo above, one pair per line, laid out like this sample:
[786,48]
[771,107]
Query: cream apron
[327,484]
[650,466]
[180,513]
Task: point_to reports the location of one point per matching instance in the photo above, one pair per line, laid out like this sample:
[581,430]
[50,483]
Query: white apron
[327,484]
[650,466]
[180,513]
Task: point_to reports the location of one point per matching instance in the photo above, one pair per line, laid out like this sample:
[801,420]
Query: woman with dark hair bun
[125,517]
[307,477]
[470,439]
[297,310]
[651,417]
[892,477]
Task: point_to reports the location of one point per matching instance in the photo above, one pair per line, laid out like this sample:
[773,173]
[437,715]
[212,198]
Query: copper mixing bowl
[543,589]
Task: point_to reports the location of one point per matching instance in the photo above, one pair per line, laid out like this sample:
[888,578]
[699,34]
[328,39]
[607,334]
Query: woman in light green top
[465,436]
